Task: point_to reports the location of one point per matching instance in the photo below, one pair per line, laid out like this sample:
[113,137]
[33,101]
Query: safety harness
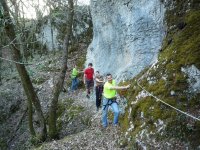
[112,100]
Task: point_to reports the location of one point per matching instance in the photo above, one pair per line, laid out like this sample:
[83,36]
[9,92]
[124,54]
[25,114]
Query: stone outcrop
[51,34]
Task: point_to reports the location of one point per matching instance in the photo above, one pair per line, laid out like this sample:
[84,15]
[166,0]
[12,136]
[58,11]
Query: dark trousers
[99,90]
[89,85]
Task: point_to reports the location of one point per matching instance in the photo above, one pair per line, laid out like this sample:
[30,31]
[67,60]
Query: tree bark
[59,85]
[30,118]
[25,79]
[1,41]
[0,63]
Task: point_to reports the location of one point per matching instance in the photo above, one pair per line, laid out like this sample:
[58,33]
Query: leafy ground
[93,136]
[79,123]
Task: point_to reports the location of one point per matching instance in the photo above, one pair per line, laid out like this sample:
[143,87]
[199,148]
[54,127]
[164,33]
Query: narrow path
[92,138]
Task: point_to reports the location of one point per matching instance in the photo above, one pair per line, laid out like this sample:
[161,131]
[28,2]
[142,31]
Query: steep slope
[174,79]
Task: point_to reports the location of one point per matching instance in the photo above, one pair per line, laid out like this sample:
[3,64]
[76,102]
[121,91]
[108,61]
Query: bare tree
[0,62]
[59,85]
[25,79]
[0,48]
[1,41]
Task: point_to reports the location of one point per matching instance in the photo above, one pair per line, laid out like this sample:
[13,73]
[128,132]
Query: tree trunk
[0,62]
[25,79]
[1,41]
[59,85]
[52,40]
[30,118]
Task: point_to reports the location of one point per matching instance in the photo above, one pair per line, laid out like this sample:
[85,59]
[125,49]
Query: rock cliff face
[48,36]
[127,35]
[127,38]
[163,101]
[51,34]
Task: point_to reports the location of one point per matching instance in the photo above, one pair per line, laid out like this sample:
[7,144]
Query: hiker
[88,79]
[109,93]
[75,80]
[98,88]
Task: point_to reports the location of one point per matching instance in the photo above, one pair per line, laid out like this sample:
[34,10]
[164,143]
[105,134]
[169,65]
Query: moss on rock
[181,48]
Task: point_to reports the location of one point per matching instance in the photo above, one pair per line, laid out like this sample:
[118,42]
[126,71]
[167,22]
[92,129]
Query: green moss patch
[181,48]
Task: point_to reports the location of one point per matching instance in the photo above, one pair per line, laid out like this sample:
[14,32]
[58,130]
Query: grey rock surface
[193,74]
[48,36]
[127,35]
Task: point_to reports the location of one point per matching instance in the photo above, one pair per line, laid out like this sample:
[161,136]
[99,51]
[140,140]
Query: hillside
[154,46]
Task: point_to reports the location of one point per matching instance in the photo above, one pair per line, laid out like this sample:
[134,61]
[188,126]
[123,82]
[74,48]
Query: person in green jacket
[109,93]
[75,80]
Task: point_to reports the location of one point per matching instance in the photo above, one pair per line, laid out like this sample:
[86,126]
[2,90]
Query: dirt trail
[93,138]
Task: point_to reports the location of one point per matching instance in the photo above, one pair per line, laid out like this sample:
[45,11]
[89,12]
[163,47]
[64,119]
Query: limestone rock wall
[48,36]
[127,35]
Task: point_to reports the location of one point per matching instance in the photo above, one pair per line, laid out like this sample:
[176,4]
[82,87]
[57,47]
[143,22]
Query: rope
[185,113]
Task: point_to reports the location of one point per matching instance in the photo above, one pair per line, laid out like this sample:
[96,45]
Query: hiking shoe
[87,96]
[64,90]
[102,128]
[116,126]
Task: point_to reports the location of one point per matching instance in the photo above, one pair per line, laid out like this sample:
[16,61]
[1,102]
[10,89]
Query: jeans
[115,108]
[75,83]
